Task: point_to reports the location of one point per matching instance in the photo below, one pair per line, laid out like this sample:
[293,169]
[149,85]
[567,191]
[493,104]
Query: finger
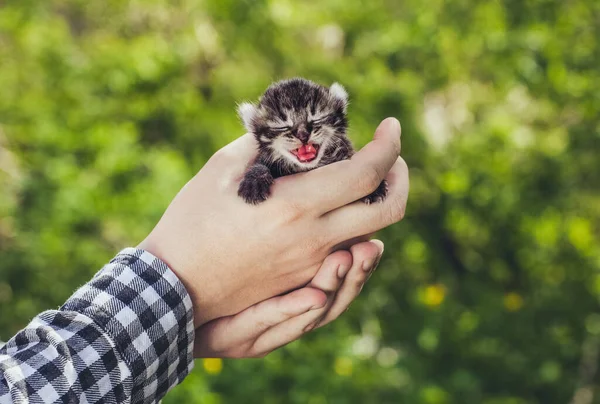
[294,328]
[365,257]
[358,218]
[219,336]
[332,272]
[284,333]
[343,182]
[328,279]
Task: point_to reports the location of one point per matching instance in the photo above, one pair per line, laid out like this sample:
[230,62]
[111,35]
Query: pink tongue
[307,152]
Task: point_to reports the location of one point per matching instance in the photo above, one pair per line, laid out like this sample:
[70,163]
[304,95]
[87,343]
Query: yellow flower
[434,295]
[343,366]
[212,365]
[513,301]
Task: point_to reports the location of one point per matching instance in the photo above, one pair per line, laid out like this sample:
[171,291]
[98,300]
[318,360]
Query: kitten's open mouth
[306,153]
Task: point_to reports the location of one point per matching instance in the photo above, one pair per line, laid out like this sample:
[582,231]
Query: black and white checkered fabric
[125,337]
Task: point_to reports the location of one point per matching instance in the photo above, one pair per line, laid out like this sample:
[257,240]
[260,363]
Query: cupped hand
[231,255]
[275,322]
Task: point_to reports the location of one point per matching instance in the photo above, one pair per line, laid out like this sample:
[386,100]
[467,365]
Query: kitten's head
[295,120]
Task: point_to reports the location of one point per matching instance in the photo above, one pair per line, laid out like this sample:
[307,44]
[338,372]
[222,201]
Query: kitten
[299,126]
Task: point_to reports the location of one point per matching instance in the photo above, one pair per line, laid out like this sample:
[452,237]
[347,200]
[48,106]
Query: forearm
[125,336]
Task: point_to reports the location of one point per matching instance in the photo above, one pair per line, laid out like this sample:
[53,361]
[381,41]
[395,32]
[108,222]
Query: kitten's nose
[302,135]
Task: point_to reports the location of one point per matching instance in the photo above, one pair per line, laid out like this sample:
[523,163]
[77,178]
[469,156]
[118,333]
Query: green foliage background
[489,289]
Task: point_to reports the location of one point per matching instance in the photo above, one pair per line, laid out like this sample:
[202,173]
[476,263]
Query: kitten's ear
[247,112]
[339,93]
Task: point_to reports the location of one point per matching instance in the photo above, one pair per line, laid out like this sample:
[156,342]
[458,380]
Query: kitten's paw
[256,185]
[379,194]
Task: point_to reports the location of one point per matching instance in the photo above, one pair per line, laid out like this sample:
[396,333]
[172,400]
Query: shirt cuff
[144,307]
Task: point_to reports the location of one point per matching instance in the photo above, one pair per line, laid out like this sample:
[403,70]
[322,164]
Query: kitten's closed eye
[318,123]
[321,120]
[280,129]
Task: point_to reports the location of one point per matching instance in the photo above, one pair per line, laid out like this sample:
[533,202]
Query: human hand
[275,322]
[231,255]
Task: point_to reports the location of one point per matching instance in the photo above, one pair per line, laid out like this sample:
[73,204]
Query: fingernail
[379,245]
[342,271]
[393,124]
[318,306]
[396,124]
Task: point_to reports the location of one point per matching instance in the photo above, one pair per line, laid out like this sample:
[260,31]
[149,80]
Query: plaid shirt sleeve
[124,337]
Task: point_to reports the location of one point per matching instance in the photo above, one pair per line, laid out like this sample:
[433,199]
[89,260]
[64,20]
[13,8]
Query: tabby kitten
[299,126]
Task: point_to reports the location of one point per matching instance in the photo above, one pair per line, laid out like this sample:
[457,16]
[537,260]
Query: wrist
[205,303]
